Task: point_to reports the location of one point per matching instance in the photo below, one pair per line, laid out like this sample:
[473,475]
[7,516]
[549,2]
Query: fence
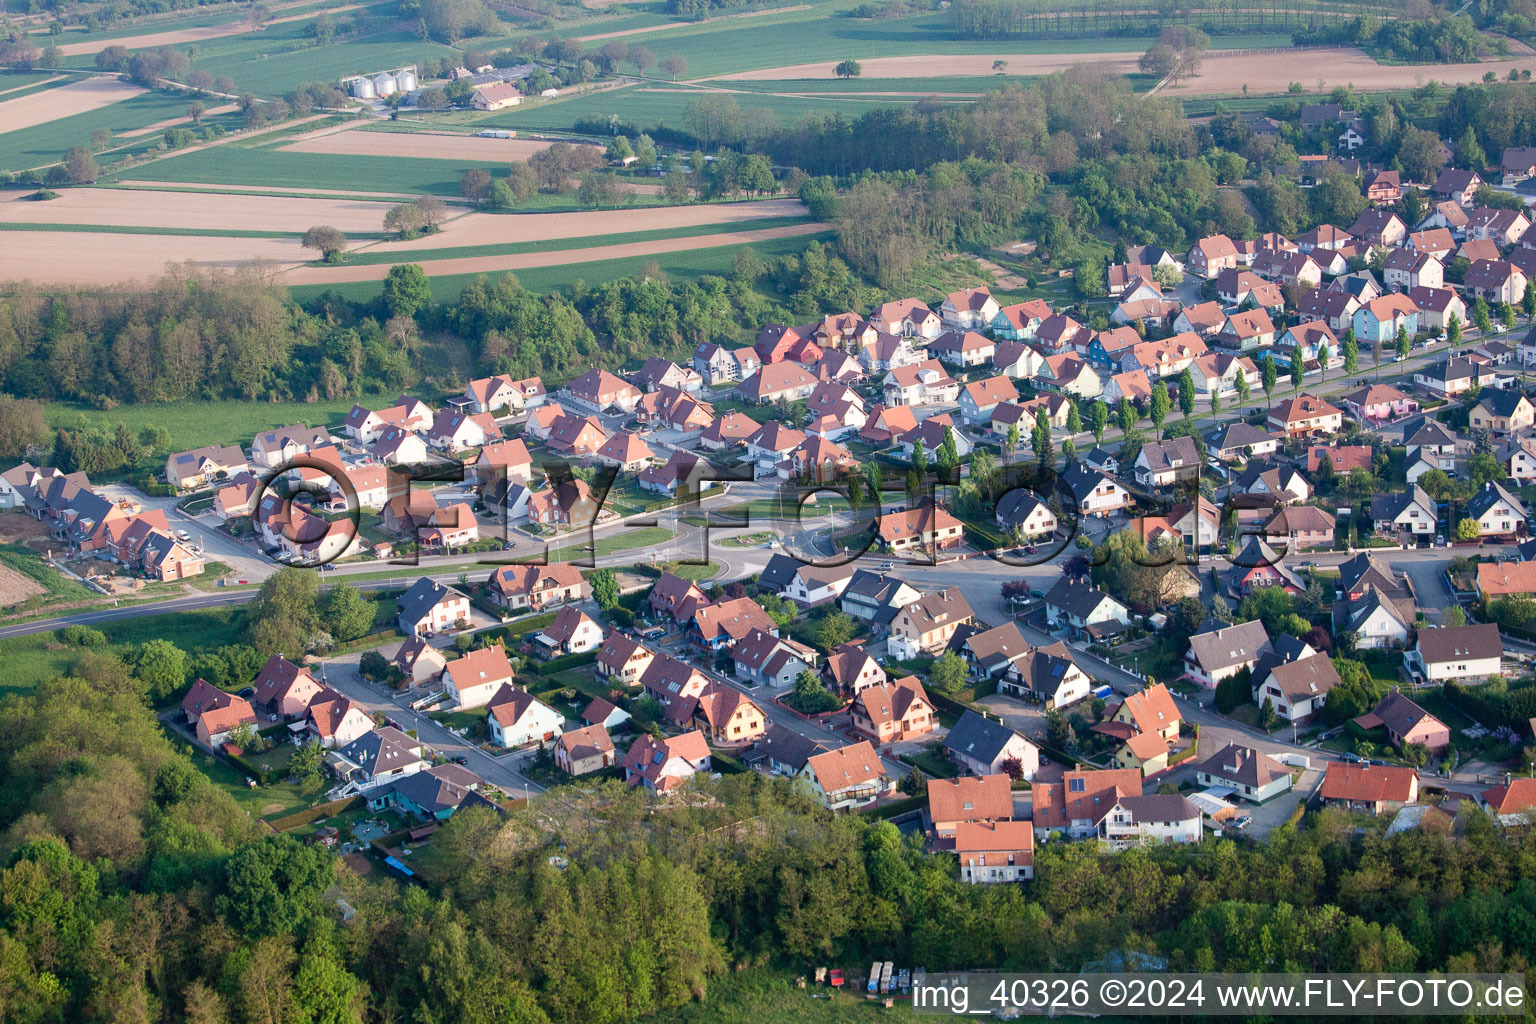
[326,810]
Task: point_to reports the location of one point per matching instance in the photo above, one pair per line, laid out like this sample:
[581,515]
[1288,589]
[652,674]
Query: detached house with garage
[1458,653]
[473,679]
[514,718]
[200,467]
[847,778]
[1405,722]
[980,398]
[926,625]
[1083,610]
[664,766]
[1297,689]
[1248,773]
[892,712]
[1369,788]
[980,746]
[969,309]
[429,607]
[1223,653]
[1162,464]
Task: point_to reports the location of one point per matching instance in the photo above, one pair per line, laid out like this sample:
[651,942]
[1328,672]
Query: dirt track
[688,24]
[1222,74]
[63,101]
[84,257]
[418,144]
[492,264]
[495,228]
[205,210]
[192,186]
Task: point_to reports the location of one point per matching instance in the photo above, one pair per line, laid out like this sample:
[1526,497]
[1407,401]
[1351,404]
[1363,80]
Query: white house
[1456,653]
[471,681]
[515,719]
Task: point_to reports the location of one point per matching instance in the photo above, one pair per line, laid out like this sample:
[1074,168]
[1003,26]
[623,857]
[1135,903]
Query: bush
[43,195]
[82,636]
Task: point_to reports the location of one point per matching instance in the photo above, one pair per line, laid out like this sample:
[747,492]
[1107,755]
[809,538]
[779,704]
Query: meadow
[45,143]
[689,264]
[194,423]
[425,256]
[31,659]
[234,164]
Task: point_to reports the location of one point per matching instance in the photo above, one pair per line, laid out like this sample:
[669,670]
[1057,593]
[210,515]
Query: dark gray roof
[1282,649]
[417,601]
[1448,643]
[1075,597]
[443,788]
[787,747]
[1044,669]
[1390,506]
[381,750]
[1237,435]
[1159,807]
[1490,495]
[1162,455]
[778,573]
[1243,765]
[1081,480]
[977,737]
[1499,401]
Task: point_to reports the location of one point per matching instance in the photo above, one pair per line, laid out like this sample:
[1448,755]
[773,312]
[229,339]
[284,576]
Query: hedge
[725,764]
[557,665]
[326,810]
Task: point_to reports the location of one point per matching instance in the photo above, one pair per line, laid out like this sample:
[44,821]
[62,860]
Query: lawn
[31,659]
[641,537]
[934,763]
[196,423]
[688,264]
[272,801]
[235,164]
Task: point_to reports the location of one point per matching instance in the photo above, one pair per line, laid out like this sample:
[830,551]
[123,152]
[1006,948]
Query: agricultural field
[113,106]
[191,211]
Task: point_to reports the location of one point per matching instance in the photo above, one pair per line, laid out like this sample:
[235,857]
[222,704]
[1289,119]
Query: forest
[133,890]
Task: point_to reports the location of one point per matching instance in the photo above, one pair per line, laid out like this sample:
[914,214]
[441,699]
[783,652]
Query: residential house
[1501,227]
[1448,378]
[1074,807]
[572,632]
[915,384]
[850,669]
[1459,653]
[500,394]
[1458,185]
[433,794]
[1049,676]
[1161,464]
[1305,416]
[1404,270]
[1379,403]
[728,431]
[847,778]
[664,766]
[335,721]
[1300,528]
[563,503]
[625,452]
[761,657]
[366,425]
[725,623]
[1165,357]
[1378,321]
[892,712]
[1495,281]
[379,757]
[1496,512]
[1334,307]
[1205,319]
[675,598]
[1376,227]
[507,460]
[603,391]
[1516,164]
[397,446]
[1412,511]
[969,309]
[1369,788]
[788,381]
[968,799]
[213,714]
[418,661]
[1023,510]
[1383,188]
[1248,773]
[429,607]
[1096,494]
[623,660]
[1059,333]
[989,652]
[584,751]
[1130,386]
[514,718]
[535,587]
[1084,610]
[1289,267]
[273,448]
[981,746]
[283,690]
[1218,373]
[1211,255]
[683,473]
[1245,288]
[201,467]
[993,852]
[727,716]
[909,317]
[474,678]
[1513,803]
[1502,412]
[926,625]
[1017,359]
[1150,821]
[979,398]
[1324,236]
[1068,374]
[1019,322]
[1296,690]
[876,598]
[1436,242]
[1224,652]
[658,373]
[1341,459]
[1239,441]
[1405,722]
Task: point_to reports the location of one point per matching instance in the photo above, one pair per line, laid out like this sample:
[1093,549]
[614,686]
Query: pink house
[1407,723]
[1380,402]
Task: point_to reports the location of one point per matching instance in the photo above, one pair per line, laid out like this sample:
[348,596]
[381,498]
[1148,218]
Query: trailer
[904,980]
[874,977]
[1104,692]
[886,970]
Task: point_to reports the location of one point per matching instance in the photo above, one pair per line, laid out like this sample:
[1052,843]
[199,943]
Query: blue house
[1378,321]
[1018,322]
[432,794]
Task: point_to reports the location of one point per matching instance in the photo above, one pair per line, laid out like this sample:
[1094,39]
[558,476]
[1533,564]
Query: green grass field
[233,164]
[688,264]
[46,143]
[563,244]
[13,82]
[31,659]
[195,423]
